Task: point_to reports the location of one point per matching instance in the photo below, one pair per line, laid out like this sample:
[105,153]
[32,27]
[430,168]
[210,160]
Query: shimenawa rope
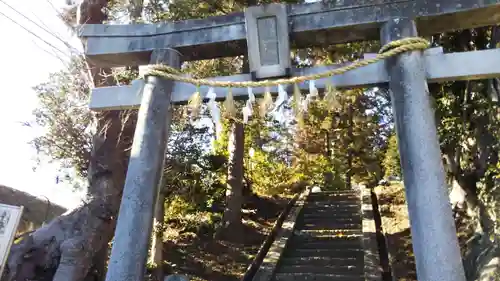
[391,49]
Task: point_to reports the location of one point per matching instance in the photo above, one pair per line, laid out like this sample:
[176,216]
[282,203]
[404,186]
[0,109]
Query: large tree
[469,131]
[74,246]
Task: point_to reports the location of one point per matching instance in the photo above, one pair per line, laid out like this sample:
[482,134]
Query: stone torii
[302,25]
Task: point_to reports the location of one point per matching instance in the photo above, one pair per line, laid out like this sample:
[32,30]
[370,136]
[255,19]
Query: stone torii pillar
[433,231]
[135,219]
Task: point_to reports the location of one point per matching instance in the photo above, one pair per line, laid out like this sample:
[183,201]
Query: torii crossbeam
[304,25]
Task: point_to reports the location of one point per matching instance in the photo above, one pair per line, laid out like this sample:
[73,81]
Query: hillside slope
[36,210]
[396,227]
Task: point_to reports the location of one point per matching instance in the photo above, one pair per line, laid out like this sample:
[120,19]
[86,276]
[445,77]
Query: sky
[27,61]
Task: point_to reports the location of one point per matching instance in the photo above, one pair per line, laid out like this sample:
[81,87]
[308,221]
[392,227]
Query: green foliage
[269,177]
[469,127]
[67,122]
[188,217]
[391,164]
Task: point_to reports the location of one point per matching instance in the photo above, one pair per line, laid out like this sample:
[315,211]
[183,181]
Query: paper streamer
[282,96]
[313,91]
[251,96]
[214,111]
[247,111]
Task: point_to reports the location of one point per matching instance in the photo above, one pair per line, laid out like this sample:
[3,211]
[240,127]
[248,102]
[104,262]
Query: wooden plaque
[10,216]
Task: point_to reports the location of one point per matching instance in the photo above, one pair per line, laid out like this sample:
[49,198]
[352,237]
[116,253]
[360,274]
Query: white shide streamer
[282,96]
[214,111]
[313,92]
[247,111]
[251,96]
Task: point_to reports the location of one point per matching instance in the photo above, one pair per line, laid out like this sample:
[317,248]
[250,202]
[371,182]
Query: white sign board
[10,217]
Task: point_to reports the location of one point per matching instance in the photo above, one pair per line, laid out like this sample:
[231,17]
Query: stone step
[334,192]
[335,247]
[340,244]
[321,261]
[331,210]
[310,233]
[302,239]
[340,199]
[321,219]
[316,277]
[336,253]
[334,205]
[326,269]
[338,196]
[328,225]
[330,219]
[328,215]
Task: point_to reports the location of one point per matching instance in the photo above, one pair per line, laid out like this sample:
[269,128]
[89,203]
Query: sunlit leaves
[63,113]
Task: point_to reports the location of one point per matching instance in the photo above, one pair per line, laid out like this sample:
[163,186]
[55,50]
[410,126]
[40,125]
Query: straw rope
[391,49]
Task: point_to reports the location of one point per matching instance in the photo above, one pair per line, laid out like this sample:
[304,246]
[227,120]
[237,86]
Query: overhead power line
[37,24]
[32,33]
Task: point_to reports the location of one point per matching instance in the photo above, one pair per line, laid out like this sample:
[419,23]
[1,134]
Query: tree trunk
[234,194]
[350,137]
[135,9]
[328,176]
[71,247]
[75,246]
[481,252]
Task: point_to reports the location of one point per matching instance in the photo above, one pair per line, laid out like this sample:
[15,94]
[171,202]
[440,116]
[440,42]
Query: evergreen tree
[392,164]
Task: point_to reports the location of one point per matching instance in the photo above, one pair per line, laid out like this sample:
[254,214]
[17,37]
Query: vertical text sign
[9,220]
[268,41]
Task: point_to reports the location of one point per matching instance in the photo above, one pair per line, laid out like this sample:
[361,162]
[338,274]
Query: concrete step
[332,205]
[325,247]
[328,215]
[343,196]
[314,196]
[316,277]
[333,202]
[309,233]
[342,244]
[334,253]
[321,261]
[328,225]
[325,239]
[330,210]
[328,269]
[321,219]
[334,192]
[341,199]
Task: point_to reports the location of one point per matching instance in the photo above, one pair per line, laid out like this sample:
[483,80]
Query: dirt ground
[205,258]
[396,226]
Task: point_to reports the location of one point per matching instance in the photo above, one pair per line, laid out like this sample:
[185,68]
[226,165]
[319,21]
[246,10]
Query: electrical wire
[38,25]
[32,33]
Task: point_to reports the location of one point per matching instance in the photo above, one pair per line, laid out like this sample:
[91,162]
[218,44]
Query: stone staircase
[327,241]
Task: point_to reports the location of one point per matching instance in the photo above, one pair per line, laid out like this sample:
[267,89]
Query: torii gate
[316,24]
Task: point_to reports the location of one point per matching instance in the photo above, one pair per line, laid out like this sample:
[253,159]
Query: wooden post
[134,225]
[434,238]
